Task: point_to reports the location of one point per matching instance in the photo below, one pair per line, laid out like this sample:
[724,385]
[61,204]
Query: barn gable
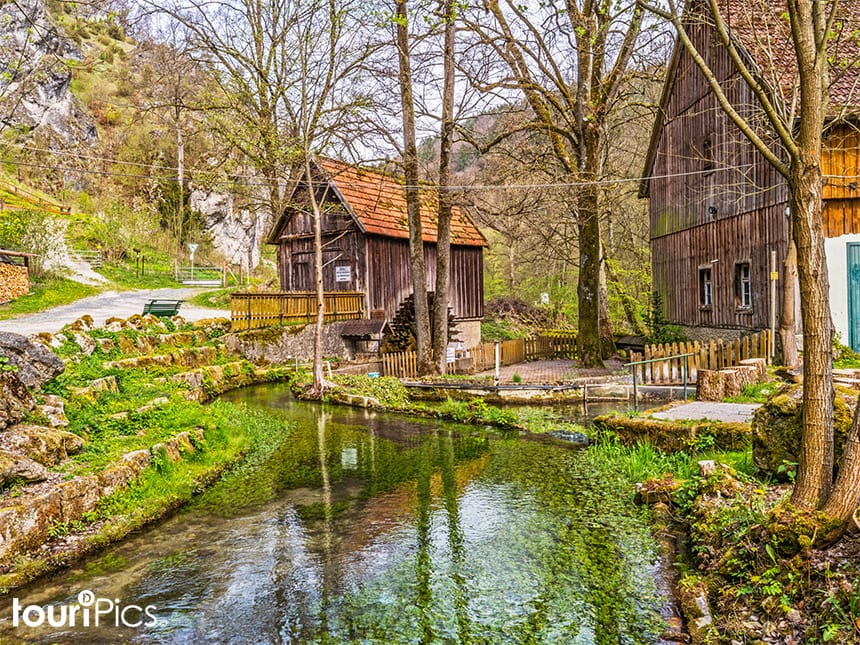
[366,241]
[717,208]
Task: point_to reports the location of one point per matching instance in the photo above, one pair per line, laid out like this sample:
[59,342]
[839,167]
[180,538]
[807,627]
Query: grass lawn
[46,293]
[214,298]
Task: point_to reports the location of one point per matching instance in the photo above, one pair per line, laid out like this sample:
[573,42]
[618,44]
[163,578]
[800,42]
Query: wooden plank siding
[677,258]
[389,281]
[714,200]
[840,165]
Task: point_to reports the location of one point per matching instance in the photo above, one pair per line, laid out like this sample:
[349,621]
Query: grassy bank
[120,410]
[47,292]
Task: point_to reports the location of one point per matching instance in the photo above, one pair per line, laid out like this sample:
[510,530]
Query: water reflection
[373,528]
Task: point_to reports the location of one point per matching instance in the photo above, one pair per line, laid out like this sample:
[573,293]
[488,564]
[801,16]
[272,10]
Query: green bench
[162,307]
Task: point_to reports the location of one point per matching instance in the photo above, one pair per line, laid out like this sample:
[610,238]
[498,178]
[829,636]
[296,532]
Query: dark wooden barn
[718,209]
[366,244]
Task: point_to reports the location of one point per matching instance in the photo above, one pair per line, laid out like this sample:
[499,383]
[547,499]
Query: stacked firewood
[401,334]
[14,281]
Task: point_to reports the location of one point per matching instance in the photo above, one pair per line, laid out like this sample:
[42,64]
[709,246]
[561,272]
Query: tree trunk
[413,200]
[318,281]
[607,342]
[787,325]
[443,226]
[845,497]
[180,180]
[588,287]
[815,470]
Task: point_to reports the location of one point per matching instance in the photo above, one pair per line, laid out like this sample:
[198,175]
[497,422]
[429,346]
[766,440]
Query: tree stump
[760,365]
[733,382]
[748,374]
[710,385]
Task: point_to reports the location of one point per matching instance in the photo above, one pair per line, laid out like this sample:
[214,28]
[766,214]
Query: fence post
[686,368]
[497,356]
[635,393]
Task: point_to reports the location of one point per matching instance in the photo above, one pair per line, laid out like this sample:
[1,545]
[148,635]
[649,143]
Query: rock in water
[36,363]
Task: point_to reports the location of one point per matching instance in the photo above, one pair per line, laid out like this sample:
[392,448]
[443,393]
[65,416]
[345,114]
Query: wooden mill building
[366,244]
[717,208]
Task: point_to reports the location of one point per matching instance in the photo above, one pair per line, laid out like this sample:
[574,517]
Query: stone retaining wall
[14,281]
[26,521]
[282,345]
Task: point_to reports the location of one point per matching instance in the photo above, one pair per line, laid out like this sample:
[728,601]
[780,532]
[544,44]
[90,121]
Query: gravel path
[742,412]
[106,305]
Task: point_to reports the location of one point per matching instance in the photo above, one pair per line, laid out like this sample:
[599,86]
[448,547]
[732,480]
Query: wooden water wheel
[401,335]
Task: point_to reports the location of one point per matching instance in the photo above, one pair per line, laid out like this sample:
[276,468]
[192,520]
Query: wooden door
[853,252]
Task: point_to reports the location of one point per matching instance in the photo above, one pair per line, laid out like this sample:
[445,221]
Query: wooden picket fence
[710,355]
[400,364]
[554,344]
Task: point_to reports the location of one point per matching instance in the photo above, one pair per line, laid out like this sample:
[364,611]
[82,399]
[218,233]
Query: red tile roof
[378,200]
[762,28]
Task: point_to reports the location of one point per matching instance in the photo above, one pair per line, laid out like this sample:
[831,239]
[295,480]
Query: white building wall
[837,272]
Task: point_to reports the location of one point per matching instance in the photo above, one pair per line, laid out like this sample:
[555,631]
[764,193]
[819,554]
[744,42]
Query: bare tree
[413,201]
[569,60]
[789,66]
[443,222]
[288,73]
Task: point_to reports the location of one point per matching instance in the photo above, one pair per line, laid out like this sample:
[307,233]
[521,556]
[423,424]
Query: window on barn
[743,286]
[706,293]
[708,162]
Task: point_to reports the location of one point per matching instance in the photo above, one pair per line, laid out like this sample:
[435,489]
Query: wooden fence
[548,345]
[31,201]
[710,355]
[256,310]
[400,364]
[201,276]
[94,258]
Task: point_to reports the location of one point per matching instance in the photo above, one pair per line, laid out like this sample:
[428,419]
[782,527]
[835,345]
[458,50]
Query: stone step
[180,357]
[148,343]
[206,382]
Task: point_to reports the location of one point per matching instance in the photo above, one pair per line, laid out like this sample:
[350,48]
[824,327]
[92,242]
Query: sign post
[192,246]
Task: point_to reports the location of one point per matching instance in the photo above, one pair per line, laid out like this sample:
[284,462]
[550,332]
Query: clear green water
[371,528]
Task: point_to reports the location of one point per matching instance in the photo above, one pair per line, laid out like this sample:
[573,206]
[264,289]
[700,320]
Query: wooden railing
[37,202]
[256,310]
[202,276]
[710,355]
[92,257]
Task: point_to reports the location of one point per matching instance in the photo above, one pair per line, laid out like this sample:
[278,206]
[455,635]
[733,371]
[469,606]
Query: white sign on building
[342,274]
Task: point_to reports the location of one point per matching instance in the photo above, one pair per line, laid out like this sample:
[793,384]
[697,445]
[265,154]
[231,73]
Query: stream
[375,528]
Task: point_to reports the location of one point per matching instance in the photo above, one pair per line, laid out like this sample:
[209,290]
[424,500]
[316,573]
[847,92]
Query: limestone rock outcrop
[47,446]
[15,399]
[34,53]
[35,363]
[18,468]
[237,232]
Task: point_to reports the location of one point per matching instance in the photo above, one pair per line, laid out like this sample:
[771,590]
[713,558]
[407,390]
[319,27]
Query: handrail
[684,371]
